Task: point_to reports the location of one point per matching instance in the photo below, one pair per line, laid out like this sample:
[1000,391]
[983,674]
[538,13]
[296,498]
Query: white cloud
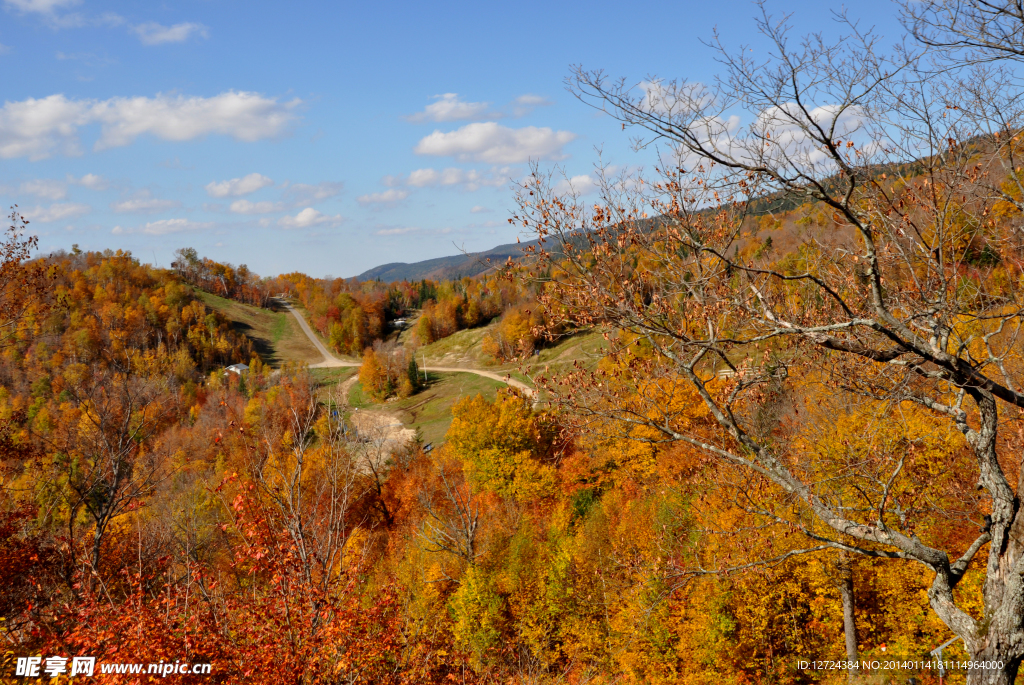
[238,186]
[495,144]
[467,179]
[39,6]
[448,107]
[304,194]
[166,226]
[578,185]
[56,212]
[529,100]
[142,202]
[247,207]
[90,181]
[309,217]
[4,49]
[402,230]
[524,104]
[39,128]
[480,209]
[152,33]
[108,19]
[424,177]
[49,10]
[90,59]
[387,197]
[244,116]
[45,189]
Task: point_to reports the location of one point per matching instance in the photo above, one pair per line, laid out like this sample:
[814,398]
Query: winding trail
[519,385]
[330,361]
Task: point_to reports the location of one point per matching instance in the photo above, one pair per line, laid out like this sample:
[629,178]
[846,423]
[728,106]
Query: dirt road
[330,361]
[519,385]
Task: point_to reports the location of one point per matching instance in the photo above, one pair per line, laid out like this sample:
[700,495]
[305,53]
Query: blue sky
[323,137]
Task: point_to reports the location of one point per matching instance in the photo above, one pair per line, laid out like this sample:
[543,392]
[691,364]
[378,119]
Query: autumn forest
[754,415]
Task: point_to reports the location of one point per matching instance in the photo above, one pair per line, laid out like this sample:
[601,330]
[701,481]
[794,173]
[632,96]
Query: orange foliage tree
[905,300]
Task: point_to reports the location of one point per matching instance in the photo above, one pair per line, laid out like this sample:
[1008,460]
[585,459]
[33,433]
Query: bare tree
[453,517]
[104,463]
[375,449]
[875,299]
[987,30]
[309,480]
[976,45]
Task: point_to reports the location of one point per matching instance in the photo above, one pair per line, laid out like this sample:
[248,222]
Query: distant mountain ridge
[476,263]
[447,268]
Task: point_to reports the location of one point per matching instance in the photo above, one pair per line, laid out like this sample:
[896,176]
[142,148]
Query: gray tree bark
[849,617]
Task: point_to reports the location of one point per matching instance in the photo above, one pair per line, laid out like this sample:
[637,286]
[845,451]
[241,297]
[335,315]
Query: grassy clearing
[464,349]
[280,327]
[275,333]
[458,349]
[357,397]
[588,348]
[430,410]
[330,385]
[333,376]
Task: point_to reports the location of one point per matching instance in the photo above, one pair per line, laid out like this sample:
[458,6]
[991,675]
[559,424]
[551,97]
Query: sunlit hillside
[711,373]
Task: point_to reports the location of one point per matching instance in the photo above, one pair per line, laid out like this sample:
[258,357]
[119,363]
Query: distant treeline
[236,283]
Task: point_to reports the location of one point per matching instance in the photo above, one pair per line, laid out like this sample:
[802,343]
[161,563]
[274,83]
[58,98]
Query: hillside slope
[276,336]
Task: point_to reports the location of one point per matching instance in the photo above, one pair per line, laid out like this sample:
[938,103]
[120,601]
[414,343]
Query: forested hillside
[789,434]
[154,512]
[156,504]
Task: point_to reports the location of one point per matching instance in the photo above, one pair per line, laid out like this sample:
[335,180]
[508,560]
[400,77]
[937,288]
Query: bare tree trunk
[849,618]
